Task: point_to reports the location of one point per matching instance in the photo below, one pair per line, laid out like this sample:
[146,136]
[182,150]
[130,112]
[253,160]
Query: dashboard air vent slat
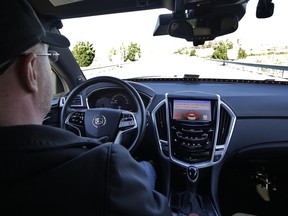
[162,122]
[224,125]
[77,101]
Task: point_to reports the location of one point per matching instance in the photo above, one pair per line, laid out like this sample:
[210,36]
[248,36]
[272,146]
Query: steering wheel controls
[127,120]
[77,118]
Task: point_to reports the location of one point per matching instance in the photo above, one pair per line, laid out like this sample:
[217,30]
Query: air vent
[224,126]
[77,101]
[161,122]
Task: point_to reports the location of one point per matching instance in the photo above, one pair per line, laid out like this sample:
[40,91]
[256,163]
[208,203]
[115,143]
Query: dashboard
[227,130]
[248,104]
[245,105]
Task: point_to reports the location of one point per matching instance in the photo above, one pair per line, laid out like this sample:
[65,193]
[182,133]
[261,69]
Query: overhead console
[199,128]
[200,21]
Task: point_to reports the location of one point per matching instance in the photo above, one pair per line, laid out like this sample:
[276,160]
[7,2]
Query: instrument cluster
[114,98]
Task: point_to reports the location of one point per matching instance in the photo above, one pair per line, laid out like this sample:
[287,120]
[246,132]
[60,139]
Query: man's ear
[27,72]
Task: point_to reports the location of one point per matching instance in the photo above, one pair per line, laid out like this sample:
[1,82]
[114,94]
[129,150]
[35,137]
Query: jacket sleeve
[128,188]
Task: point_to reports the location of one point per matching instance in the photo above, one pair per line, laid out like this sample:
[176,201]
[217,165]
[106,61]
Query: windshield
[123,45]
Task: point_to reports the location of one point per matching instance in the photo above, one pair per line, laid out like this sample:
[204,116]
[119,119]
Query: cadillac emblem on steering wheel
[99,121]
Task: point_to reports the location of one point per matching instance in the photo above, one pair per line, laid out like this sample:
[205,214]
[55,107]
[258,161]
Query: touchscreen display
[192,110]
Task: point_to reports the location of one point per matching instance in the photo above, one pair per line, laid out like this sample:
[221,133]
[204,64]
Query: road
[177,66]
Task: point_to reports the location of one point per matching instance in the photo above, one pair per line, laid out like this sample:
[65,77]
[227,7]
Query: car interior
[218,145]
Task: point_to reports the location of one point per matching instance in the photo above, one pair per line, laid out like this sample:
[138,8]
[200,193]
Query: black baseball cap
[22,29]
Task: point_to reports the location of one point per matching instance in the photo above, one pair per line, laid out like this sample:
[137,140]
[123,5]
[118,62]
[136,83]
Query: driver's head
[21,29]
[25,72]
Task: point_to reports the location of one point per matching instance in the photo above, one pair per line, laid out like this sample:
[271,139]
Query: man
[46,170]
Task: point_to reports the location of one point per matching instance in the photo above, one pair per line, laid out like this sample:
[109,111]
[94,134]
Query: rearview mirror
[201,29]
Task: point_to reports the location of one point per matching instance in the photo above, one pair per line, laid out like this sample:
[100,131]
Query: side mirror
[201,29]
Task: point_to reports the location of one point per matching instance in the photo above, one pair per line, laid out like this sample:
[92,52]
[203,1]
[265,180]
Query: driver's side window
[52,118]
[57,85]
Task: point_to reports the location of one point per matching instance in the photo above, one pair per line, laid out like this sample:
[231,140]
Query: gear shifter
[192,174]
[190,202]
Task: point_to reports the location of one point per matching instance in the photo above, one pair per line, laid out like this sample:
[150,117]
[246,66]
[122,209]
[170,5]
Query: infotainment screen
[192,110]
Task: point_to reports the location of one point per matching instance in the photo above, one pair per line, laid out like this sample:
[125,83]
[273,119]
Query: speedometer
[103,102]
[120,101]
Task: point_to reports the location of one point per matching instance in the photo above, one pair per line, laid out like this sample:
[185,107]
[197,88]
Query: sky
[108,31]
[273,30]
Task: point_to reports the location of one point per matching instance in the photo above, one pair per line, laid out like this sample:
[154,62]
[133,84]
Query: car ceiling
[64,9]
[79,8]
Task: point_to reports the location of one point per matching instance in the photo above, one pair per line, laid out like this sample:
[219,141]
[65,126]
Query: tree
[220,50]
[193,52]
[133,51]
[84,53]
[112,53]
[241,53]
[123,52]
[183,51]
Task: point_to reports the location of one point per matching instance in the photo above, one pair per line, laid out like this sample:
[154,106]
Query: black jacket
[50,171]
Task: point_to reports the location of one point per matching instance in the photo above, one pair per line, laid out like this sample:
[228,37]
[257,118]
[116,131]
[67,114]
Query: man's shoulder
[33,137]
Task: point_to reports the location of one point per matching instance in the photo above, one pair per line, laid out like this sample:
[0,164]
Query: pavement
[172,65]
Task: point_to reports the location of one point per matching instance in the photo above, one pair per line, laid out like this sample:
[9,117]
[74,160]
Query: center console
[192,125]
[199,126]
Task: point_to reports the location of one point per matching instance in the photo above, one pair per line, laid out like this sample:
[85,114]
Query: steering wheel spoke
[127,121]
[127,124]
[75,122]
[76,119]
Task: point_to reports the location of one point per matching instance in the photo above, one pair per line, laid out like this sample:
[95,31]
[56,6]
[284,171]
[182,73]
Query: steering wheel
[112,125]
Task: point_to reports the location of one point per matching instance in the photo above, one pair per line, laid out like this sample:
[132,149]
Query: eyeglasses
[52,54]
